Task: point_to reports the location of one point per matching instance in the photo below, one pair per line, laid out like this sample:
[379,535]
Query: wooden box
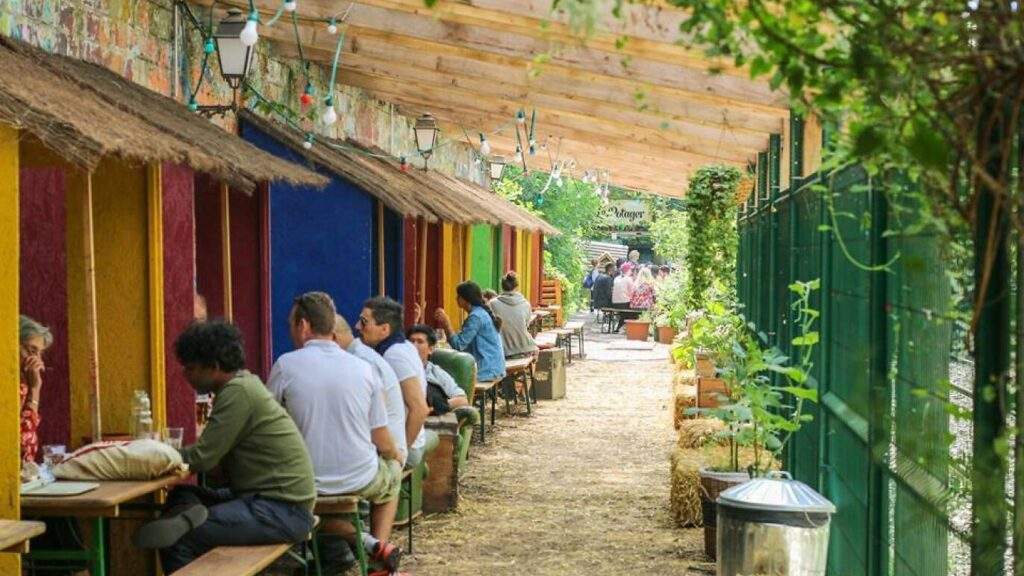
[441,486]
[549,374]
[709,390]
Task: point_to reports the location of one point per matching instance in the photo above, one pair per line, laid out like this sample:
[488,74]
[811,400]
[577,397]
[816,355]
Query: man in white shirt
[337,403]
[622,292]
[380,326]
[392,389]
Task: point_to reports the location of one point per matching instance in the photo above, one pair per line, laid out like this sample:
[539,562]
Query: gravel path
[581,487]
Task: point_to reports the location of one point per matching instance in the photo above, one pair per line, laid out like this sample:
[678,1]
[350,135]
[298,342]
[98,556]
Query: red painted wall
[435,273]
[248,277]
[537,246]
[209,264]
[179,278]
[43,289]
[508,248]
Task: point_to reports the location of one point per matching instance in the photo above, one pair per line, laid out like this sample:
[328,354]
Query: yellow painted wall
[10,447]
[453,255]
[523,262]
[120,214]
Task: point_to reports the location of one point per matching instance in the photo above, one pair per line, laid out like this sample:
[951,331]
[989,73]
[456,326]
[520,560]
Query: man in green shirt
[250,436]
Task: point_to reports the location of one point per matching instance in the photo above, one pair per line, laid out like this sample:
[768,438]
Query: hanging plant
[711,231]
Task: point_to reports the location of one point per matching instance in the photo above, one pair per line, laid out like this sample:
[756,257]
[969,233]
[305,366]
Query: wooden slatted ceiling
[649,122]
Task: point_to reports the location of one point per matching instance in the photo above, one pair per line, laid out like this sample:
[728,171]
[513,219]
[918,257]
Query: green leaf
[927,146]
[808,339]
[867,140]
[802,393]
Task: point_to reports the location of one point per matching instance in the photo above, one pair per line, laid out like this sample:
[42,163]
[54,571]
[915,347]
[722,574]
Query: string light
[404,166]
[521,117]
[250,35]
[308,142]
[307,96]
[485,146]
[290,5]
[332,28]
[330,115]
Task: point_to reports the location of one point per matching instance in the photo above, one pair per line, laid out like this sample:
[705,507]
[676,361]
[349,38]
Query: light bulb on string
[250,35]
[330,115]
[485,146]
[290,5]
[332,28]
[533,150]
[209,47]
[521,117]
[192,105]
[307,96]
[308,142]
[404,166]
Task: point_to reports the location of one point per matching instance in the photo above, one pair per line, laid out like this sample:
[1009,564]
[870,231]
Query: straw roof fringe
[84,112]
[428,194]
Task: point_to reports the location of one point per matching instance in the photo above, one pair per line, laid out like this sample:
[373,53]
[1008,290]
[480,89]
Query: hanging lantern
[485,146]
[234,53]
[497,167]
[426,134]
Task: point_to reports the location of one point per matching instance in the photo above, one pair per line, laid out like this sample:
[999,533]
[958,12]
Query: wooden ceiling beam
[577,126]
[386,55]
[497,41]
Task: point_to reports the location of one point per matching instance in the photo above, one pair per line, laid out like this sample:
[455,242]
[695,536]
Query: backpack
[437,399]
[588,281]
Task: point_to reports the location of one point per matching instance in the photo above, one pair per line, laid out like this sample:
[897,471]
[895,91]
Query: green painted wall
[484,256]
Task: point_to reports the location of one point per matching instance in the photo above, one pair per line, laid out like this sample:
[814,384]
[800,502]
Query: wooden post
[10,372]
[381,275]
[421,270]
[225,248]
[157,355]
[91,331]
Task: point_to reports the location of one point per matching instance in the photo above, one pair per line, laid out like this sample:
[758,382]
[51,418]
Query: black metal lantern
[235,55]
[426,134]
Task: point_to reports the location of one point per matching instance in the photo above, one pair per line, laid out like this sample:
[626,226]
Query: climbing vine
[711,230]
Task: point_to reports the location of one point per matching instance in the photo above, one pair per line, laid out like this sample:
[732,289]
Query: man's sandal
[389,555]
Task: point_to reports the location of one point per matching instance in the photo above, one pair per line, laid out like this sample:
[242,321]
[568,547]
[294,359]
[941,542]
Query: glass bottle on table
[144,421]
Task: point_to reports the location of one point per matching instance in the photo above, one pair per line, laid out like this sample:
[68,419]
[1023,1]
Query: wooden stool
[346,505]
[577,328]
[522,369]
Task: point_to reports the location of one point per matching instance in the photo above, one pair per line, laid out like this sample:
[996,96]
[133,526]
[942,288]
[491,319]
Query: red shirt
[29,426]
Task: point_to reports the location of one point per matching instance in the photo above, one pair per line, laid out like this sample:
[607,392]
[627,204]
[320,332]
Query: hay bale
[684,397]
[684,492]
[697,432]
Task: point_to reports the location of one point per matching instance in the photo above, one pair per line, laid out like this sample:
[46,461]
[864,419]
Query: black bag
[437,399]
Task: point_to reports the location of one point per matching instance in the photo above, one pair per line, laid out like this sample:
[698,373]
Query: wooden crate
[708,391]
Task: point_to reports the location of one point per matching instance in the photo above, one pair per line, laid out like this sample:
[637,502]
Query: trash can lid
[778,493]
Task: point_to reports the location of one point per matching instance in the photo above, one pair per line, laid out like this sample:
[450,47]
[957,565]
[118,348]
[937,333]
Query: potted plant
[640,328]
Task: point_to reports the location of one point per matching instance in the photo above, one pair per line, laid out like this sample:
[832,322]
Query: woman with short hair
[34,339]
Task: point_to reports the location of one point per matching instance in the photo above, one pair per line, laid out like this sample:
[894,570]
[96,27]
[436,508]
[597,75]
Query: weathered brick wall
[135,38]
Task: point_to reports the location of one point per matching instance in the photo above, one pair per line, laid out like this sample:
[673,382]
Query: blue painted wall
[319,240]
[394,255]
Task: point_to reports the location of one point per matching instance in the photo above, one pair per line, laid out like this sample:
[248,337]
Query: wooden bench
[345,505]
[481,392]
[235,560]
[577,328]
[564,339]
[609,317]
[522,369]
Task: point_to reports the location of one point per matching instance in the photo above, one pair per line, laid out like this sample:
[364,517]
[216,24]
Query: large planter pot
[666,334]
[638,329]
[713,483]
[703,364]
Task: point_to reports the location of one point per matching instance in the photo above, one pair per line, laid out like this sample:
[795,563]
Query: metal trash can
[773,526]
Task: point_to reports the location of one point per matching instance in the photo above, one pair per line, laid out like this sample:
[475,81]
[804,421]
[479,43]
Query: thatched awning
[413,192]
[84,112]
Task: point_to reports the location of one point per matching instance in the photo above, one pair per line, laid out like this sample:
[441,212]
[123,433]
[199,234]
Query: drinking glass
[53,454]
[173,437]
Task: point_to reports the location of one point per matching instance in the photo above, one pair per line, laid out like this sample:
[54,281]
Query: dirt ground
[581,487]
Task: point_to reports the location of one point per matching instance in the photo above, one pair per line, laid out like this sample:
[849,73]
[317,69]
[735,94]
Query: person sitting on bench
[271,492]
[602,292]
[338,403]
[479,334]
[514,311]
[424,339]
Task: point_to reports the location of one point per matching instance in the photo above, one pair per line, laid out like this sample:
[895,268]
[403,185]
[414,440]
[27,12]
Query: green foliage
[573,208]
[668,233]
[711,230]
[669,305]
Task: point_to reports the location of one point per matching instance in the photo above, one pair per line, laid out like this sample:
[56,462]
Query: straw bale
[698,432]
[684,396]
[684,492]
[84,112]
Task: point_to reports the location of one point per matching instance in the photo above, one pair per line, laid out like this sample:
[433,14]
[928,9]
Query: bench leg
[408,512]
[364,564]
[526,393]
[482,408]
[317,567]
[494,402]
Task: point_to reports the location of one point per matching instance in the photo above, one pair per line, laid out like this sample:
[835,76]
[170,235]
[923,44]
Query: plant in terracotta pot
[640,328]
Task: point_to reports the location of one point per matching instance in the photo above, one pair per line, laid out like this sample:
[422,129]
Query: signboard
[627,213]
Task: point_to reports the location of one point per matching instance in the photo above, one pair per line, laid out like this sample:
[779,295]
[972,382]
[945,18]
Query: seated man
[338,404]
[271,493]
[380,326]
[424,339]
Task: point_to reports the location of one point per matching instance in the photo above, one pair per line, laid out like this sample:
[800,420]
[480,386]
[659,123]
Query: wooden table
[106,501]
[15,534]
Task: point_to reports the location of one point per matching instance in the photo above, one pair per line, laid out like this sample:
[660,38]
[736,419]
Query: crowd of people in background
[343,413]
[625,285]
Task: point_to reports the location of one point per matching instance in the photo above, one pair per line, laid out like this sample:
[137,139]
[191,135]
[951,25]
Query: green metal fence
[881,442]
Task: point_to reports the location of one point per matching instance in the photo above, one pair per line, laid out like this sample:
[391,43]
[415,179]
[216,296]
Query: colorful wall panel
[9,360]
[249,276]
[484,268]
[320,240]
[43,278]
